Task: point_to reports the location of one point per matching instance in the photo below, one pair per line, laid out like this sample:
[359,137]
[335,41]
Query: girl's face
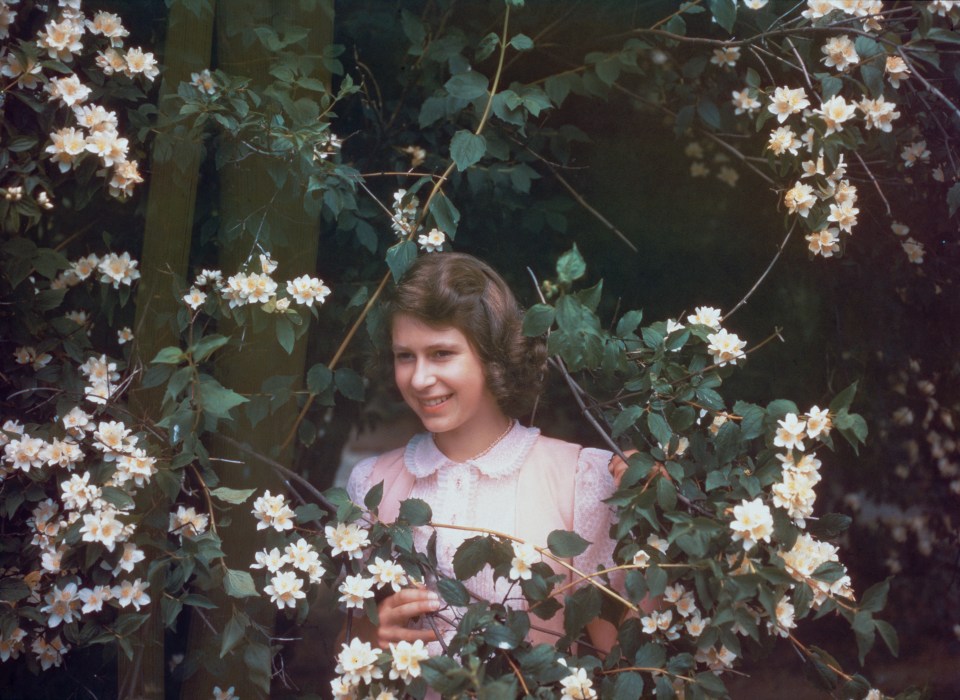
[441,377]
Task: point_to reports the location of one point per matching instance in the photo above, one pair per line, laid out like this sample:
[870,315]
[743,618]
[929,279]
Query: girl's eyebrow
[442,345]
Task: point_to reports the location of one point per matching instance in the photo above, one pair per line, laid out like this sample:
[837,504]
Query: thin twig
[543,551]
[586,205]
[766,272]
[284,471]
[516,672]
[875,183]
[926,83]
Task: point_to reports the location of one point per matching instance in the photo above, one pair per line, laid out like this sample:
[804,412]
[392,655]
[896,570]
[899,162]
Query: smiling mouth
[431,403]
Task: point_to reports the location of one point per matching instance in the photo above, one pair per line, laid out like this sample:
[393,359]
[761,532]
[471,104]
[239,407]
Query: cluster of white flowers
[524,556]
[28,355]
[726,57]
[752,522]
[257,287]
[114,270]
[358,664]
[577,685]
[102,379]
[80,505]
[404,216]
[433,241]
[205,82]
[95,129]
[869,11]
[805,557]
[273,511]
[795,492]
[660,622]
[286,587]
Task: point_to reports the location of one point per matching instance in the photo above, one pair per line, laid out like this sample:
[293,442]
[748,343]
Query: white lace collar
[423,458]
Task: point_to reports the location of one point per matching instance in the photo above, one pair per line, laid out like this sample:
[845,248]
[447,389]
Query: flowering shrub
[113,515]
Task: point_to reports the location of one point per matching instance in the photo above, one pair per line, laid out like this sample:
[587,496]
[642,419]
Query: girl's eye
[442,354]
[401,356]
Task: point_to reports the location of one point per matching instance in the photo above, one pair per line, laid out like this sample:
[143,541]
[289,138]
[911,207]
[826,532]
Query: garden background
[331,137]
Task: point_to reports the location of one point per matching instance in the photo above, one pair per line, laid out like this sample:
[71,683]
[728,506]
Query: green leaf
[257,658]
[233,633]
[889,636]
[446,216]
[864,628]
[400,257]
[666,495]
[285,334]
[628,685]
[628,323]
[453,592]
[467,148]
[468,85]
[579,609]
[659,428]
[566,544]
[875,598]
[656,580]
[829,572]
[170,355]
[873,78]
[121,499]
[239,584]
[349,383]
[843,400]
[709,113]
[472,556]
[751,425]
[374,496]
[651,656]
[627,418]
[571,266]
[538,319]
[235,496]
[829,526]
[204,347]
[216,399]
[13,589]
[319,378]
[521,42]
[414,511]
[724,12]
[830,85]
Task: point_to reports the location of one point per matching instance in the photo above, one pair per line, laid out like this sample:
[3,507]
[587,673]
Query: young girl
[461,362]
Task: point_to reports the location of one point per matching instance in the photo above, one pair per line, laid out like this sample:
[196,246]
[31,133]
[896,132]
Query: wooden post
[172,191]
[249,196]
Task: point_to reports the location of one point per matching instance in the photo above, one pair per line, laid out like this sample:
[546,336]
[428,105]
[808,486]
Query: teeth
[436,402]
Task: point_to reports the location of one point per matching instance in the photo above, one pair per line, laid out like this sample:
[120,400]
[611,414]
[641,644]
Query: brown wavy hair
[459,290]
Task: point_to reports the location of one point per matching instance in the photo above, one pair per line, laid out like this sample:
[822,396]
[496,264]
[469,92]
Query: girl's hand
[618,467]
[398,609]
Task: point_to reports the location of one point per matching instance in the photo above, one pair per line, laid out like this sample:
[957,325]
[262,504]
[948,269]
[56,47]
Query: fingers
[392,635]
[618,466]
[397,610]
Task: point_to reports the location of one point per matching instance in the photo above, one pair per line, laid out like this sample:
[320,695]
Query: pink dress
[527,486]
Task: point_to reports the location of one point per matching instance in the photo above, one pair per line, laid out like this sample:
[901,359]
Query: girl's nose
[422,376]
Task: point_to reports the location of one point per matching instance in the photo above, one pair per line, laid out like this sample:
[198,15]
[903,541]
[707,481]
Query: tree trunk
[166,250]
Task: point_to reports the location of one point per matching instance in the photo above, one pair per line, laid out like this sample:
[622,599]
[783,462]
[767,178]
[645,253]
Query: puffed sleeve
[592,517]
[359,482]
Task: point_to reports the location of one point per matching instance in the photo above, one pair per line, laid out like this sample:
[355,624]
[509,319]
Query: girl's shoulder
[568,456]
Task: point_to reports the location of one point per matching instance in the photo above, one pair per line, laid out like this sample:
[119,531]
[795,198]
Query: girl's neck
[474,444]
